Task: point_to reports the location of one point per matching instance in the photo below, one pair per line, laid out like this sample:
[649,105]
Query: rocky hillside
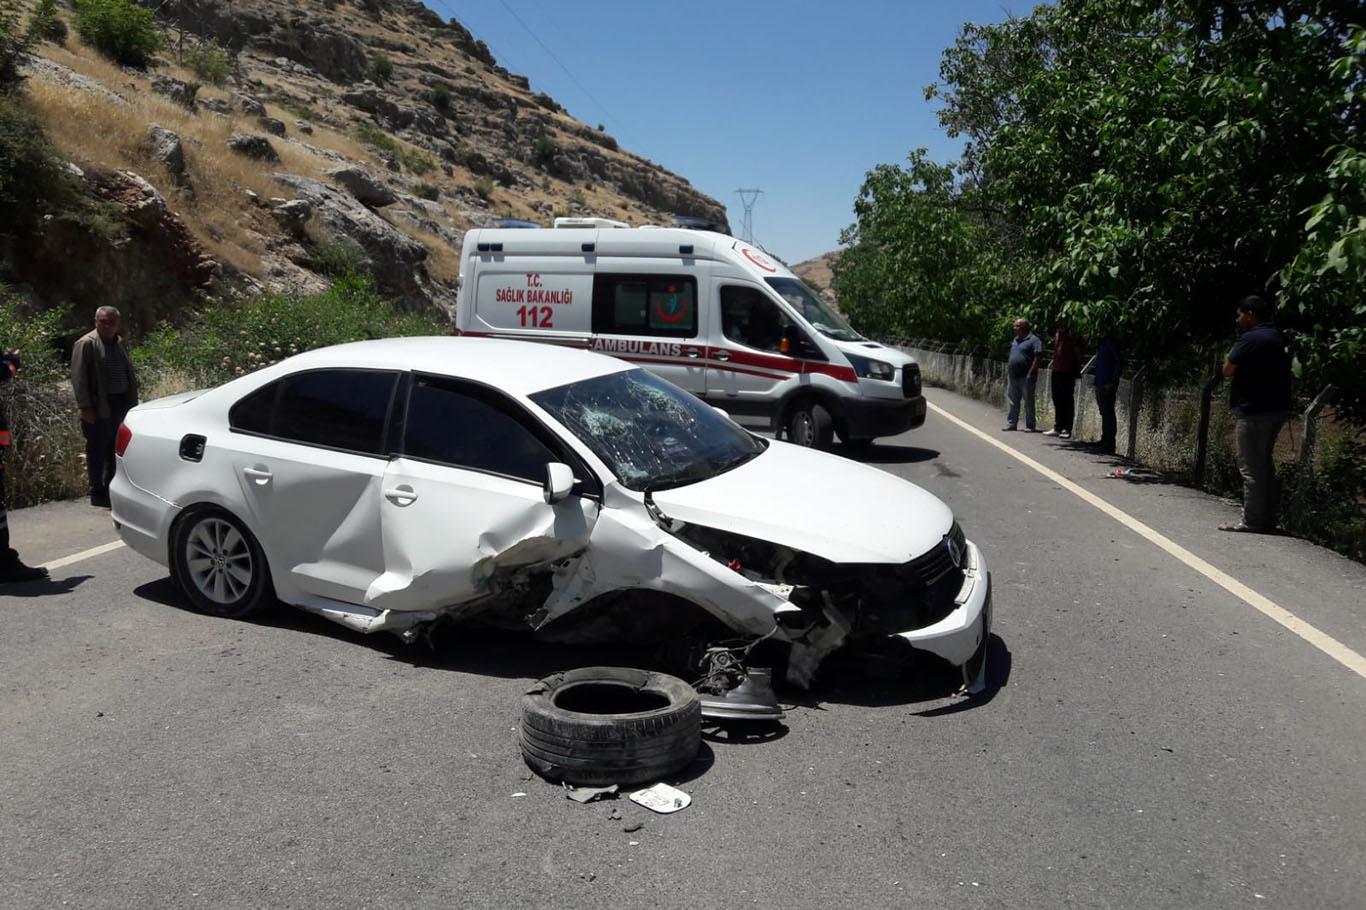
[341,134]
[816,272]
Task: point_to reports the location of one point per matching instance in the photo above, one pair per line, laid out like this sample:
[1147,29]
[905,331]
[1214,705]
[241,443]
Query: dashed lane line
[84,554]
[1321,640]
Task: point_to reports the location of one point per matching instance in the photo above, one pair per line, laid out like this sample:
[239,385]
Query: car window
[464,428]
[751,319]
[645,305]
[340,409]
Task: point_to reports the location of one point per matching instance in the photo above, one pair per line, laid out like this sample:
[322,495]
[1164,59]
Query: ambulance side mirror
[559,482]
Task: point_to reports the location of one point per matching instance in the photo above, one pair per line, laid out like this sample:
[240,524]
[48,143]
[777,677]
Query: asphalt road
[1154,741]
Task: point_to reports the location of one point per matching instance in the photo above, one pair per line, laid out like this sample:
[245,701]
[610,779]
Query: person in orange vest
[11,569]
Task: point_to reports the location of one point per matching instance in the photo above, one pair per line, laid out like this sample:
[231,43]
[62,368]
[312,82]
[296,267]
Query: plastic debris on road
[662,798]
[588,794]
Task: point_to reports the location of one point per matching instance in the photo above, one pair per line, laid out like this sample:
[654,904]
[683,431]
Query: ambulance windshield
[816,311]
[653,435]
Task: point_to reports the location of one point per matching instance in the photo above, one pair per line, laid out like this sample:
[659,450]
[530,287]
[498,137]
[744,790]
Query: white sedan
[392,484]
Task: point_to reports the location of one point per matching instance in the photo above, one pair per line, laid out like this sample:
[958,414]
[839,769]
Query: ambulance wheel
[810,425]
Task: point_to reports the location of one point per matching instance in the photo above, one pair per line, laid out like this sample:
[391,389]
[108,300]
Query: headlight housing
[868,368]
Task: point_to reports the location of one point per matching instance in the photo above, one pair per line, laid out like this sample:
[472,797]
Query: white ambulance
[709,313]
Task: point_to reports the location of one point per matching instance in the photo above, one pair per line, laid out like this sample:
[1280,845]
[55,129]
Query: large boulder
[271,125]
[167,148]
[363,186]
[253,146]
[248,105]
[396,262]
[373,101]
[332,53]
[182,93]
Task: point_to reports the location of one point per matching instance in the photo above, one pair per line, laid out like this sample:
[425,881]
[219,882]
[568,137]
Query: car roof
[520,367]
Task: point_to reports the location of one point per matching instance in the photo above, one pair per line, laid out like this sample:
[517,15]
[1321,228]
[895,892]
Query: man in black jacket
[1259,398]
[11,569]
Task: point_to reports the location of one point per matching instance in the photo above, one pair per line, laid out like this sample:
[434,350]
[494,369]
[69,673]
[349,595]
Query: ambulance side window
[657,305]
[751,319]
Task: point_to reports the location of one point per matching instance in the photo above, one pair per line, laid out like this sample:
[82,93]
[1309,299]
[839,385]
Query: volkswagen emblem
[955,552]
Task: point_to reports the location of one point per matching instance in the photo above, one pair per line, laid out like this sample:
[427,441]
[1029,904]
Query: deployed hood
[818,503]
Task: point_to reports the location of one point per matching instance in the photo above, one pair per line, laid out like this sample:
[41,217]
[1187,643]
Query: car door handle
[722,355]
[260,476]
[401,496]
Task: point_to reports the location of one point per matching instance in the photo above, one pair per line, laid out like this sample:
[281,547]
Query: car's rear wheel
[219,566]
[810,425]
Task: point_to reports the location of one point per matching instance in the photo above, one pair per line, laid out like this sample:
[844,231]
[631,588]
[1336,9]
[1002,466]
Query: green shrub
[374,136]
[578,198]
[428,191]
[441,97]
[544,150]
[210,61]
[222,341]
[119,29]
[44,461]
[46,24]
[337,258]
[483,188]
[29,171]
[12,48]
[381,68]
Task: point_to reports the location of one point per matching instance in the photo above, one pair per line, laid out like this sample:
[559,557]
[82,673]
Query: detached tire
[810,425]
[599,726]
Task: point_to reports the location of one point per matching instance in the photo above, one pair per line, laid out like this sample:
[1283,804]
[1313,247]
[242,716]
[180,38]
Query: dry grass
[90,130]
[443,261]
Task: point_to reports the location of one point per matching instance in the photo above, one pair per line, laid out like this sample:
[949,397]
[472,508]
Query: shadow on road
[888,454]
[514,654]
[46,587]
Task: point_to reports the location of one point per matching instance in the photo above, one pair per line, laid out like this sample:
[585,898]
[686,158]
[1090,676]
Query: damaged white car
[391,485]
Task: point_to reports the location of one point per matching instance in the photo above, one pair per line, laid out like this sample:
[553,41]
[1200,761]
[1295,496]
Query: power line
[505,61]
[602,107]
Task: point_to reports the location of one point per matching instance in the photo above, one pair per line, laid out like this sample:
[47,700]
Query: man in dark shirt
[1259,398]
[1108,367]
[1022,375]
[106,387]
[1062,380]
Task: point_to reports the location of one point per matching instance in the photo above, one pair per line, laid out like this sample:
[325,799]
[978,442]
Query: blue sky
[798,99]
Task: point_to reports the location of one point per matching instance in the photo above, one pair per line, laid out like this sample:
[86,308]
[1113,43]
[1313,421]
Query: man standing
[1109,364]
[1063,380]
[106,388]
[11,569]
[1022,375]
[1259,398]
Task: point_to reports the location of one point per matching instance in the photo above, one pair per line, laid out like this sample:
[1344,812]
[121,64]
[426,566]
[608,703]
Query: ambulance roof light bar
[589,223]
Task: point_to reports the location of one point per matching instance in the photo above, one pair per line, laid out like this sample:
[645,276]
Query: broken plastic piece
[589,794]
[662,798]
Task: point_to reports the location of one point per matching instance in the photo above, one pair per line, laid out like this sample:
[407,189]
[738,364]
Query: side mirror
[559,482]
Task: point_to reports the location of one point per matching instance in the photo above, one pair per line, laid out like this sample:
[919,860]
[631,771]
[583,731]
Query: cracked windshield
[651,434]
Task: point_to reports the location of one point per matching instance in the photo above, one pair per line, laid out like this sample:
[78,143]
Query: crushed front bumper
[962,635]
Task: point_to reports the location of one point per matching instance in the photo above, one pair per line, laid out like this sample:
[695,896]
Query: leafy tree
[210,61]
[918,262]
[12,49]
[29,172]
[120,29]
[441,96]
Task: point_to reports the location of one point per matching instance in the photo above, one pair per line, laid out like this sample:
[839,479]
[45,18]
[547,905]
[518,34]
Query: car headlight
[869,368]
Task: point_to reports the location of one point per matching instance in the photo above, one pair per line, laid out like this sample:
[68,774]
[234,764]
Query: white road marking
[1324,642]
[84,554]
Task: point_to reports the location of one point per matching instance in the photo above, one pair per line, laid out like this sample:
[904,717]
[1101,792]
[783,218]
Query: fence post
[1133,404]
[1304,467]
[1202,432]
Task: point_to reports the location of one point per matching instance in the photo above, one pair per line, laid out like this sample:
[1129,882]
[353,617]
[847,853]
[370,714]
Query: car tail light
[121,441]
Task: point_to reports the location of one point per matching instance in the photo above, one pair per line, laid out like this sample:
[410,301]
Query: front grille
[947,557]
[910,380]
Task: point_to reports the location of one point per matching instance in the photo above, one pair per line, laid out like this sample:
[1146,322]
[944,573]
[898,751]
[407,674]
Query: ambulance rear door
[542,294]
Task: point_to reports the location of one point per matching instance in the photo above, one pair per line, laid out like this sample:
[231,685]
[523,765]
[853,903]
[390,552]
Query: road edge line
[1262,604]
[84,554]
